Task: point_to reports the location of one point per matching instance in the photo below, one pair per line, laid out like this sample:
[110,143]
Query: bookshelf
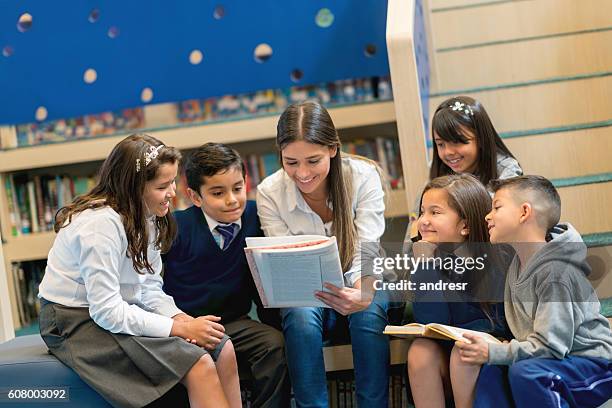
[35,246]
[184,137]
[6,305]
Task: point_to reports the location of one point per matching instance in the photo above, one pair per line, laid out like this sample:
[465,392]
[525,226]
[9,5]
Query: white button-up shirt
[283,211]
[88,267]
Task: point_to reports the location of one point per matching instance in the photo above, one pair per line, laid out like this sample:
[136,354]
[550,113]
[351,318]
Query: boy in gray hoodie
[562,352]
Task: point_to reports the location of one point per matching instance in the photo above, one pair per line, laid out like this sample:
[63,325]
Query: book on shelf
[436,331]
[341,92]
[288,270]
[62,130]
[27,277]
[385,151]
[33,201]
[13,209]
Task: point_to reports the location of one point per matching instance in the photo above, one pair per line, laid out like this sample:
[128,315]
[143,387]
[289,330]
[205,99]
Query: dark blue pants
[542,383]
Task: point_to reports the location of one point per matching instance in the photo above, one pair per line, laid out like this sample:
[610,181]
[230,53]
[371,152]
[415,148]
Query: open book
[288,270]
[436,331]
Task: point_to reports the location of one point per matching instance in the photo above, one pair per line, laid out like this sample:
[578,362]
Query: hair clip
[152,154]
[149,155]
[460,106]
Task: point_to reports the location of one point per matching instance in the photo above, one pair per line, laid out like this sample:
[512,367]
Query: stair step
[578,55]
[587,206]
[548,105]
[438,6]
[582,180]
[517,21]
[584,151]
[601,239]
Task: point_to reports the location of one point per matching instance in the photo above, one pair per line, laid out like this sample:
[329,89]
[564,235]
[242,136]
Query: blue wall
[45,65]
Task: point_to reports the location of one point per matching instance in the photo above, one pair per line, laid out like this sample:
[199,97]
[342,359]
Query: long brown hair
[450,123]
[470,199]
[309,121]
[121,186]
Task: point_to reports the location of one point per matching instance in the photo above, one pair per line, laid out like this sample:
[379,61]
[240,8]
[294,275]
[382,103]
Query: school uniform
[562,352]
[206,272]
[283,211]
[105,320]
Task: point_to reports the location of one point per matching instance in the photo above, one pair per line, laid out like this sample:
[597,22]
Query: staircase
[543,70]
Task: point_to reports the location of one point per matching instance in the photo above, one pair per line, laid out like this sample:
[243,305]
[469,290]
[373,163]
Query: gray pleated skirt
[127,371]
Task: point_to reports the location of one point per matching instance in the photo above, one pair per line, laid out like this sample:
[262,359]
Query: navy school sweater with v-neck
[204,279]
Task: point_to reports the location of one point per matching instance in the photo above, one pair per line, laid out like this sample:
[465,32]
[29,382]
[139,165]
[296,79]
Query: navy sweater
[202,278]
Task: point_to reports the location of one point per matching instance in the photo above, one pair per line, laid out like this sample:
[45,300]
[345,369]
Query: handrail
[412,65]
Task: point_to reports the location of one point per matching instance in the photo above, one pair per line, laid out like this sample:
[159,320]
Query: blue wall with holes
[135,46]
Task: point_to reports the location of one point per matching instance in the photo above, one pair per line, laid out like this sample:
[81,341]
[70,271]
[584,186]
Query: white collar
[212,223]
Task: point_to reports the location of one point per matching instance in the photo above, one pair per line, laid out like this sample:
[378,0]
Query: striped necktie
[227,232]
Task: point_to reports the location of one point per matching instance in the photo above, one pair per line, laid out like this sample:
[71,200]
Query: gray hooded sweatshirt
[551,307]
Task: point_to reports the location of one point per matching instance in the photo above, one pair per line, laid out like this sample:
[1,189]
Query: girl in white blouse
[319,192]
[104,313]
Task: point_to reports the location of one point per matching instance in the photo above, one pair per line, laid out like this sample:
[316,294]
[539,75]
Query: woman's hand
[346,300]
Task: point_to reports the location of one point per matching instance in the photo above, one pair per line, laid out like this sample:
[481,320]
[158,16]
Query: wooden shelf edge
[184,137]
[397,204]
[28,247]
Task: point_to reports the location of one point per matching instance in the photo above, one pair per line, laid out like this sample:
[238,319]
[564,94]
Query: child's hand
[423,249]
[205,331]
[476,352]
[182,317]
[345,300]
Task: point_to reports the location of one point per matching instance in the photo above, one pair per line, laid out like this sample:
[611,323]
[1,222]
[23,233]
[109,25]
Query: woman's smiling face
[308,165]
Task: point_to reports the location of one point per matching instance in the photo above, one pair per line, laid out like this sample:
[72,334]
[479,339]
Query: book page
[256,277]
[290,277]
[412,329]
[262,242]
[456,333]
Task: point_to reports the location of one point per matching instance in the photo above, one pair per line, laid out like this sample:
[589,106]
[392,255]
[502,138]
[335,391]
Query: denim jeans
[305,328]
